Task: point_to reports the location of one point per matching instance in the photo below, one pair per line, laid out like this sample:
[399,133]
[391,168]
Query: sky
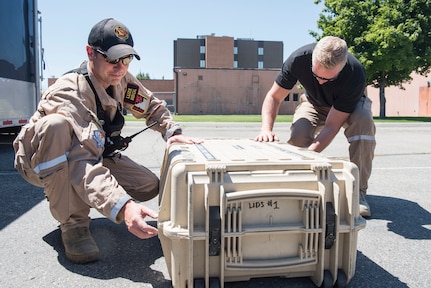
[155,25]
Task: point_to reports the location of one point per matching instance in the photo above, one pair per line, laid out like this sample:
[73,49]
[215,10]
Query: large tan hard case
[236,209]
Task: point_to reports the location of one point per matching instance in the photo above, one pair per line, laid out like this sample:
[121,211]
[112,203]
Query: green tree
[390,37]
[142,76]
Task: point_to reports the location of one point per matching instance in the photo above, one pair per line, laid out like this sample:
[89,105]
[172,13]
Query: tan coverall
[61,148]
[359,130]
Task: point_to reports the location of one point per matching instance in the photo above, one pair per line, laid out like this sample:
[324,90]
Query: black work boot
[80,246]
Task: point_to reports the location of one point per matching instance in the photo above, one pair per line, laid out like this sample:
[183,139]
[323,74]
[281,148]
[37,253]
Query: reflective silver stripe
[172,131]
[361,137]
[50,163]
[116,209]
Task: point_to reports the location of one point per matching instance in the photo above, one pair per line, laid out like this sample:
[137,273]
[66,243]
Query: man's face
[324,75]
[106,73]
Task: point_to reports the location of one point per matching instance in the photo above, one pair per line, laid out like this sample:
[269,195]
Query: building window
[200,77]
[260,51]
[287,98]
[260,64]
[255,79]
[235,50]
[202,52]
[235,64]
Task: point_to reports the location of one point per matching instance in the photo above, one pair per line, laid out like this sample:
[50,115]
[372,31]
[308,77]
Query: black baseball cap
[113,38]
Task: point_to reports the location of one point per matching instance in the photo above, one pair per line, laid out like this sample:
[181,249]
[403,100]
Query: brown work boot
[80,246]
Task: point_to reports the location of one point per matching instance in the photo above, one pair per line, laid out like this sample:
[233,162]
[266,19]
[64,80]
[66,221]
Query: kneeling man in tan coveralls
[69,145]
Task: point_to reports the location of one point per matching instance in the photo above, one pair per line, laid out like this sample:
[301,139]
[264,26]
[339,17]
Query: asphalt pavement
[393,250]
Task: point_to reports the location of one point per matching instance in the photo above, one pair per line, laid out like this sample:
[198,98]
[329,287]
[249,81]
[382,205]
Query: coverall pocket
[24,153]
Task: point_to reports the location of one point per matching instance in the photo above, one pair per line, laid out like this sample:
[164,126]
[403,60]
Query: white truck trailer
[20,63]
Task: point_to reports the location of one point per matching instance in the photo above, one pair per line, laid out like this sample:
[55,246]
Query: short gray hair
[330,52]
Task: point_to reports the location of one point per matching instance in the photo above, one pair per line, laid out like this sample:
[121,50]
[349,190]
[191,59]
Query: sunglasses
[323,78]
[125,60]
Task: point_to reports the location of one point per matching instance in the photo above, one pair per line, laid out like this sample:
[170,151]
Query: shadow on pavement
[123,255]
[17,198]
[406,218]
[17,195]
[367,274]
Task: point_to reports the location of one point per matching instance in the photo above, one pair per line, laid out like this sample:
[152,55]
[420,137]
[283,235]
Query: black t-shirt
[342,93]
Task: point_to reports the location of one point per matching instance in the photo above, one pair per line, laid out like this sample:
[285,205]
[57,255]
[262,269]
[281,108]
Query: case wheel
[327,280]
[214,282]
[341,279]
[200,283]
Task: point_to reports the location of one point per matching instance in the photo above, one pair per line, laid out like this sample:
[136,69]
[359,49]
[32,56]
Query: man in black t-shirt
[334,83]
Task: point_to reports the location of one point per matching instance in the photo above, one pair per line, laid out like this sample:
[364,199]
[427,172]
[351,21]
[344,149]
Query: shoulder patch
[137,98]
[131,92]
[99,137]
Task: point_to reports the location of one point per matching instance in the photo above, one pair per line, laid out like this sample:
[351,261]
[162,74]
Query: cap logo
[121,33]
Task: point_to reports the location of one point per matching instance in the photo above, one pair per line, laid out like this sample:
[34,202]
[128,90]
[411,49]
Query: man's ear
[90,52]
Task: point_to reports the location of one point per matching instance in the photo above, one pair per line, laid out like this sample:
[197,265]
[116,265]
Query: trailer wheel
[327,280]
[341,279]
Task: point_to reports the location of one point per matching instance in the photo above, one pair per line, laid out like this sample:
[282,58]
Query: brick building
[223,75]
[413,100]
